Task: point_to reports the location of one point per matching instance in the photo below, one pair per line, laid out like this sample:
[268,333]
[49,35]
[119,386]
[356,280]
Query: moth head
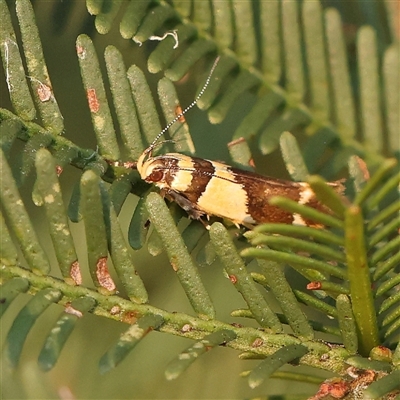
[157,170]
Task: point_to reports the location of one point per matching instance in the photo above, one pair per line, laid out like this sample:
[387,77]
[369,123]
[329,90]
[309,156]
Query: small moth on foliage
[209,188]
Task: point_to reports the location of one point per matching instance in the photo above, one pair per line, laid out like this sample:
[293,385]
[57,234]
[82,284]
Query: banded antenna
[181,114]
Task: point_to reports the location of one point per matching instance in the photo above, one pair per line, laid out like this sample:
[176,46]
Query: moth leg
[184,203]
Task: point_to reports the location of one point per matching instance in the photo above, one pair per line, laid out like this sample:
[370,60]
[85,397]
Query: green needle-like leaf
[19,220]
[360,281]
[243,82]
[298,261]
[293,158]
[391,66]
[139,225]
[185,359]
[265,105]
[340,76]
[153,21]
[271,47]
[93,215]
[327,194]
[162,56]
[281,242]
[347,323]
[15,74]
[123,103]
[202,15]
[292,51]
[268,366]
[132,18]
[97,100]
[8,252]
[369,87]
[302,231]
[316,60]
[366,364]
[391,184]
[223,70]
[383,386]
[145,107]
[238,275]
[94,6]
[10,290]
[198,49]
[104,19]
[24,321]
[61,331]
[123,262]
[386,213]
[376,178]
[179,131]
[318,304]
[192,234]
[289,120]
[37,69]
[307,212]
[223,23]
[245,44]
[286,299]
[128,341]
[179,257]
[50,192]
[240,153]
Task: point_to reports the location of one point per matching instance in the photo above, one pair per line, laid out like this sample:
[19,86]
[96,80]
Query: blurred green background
[141,374]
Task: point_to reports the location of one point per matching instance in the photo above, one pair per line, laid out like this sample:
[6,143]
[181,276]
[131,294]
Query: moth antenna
[191,105]
[164,141]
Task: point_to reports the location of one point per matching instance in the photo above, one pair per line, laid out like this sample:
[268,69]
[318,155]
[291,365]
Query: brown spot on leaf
[115,310]
[129,317]
[93,101]
[314,286]
[363,378]
[73,311]
[103,276]
[80,50]
[174,264]
[257,343]
[44,92]
[324,357]
[336,388]
[381,353]
[178,113]
[236,141]
[75,273]
[186,328]
[59,170]
[233,279]
[363,167]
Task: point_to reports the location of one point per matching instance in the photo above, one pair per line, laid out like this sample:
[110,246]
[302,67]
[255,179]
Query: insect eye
[155,176]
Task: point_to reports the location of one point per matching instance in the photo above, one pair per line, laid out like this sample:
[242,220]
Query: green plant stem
[195,328]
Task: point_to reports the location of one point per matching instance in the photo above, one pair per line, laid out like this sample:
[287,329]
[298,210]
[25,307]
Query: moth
[209,188]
